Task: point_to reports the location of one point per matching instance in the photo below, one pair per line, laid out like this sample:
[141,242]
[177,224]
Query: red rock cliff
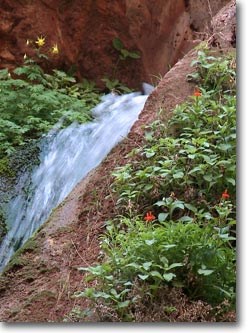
[162,31]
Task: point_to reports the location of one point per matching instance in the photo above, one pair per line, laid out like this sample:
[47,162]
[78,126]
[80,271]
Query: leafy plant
[182,180]
[196,164]
[115,86]
[123,52]
[152,256]
[33,101]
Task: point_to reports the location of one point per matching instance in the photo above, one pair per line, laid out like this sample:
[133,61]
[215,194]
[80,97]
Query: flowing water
[66,157]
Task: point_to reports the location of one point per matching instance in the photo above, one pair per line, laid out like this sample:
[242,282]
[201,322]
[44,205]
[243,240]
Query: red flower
[225,195]
[197,92]
[149,217]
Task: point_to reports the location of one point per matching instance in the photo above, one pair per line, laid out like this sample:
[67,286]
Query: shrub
[183,181]
[152,256]
[33,101]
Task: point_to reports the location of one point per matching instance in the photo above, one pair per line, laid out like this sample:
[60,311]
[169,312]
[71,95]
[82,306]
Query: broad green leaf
[156,274]
[176,264]
[168,276]
[195,170]
[134,55]
[117,44]
[231,181]
[150,241]
[169,246]
[150,154]
[190,207]
[147,265]
[225,146]
[160,203]
[208,178]
[123,304]
[162,217]
[178,175]
[186,219]
[205,271]
[132,264]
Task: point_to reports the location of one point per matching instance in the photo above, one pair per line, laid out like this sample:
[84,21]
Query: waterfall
[66,157]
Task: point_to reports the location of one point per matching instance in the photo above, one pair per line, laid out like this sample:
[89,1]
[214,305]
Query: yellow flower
[40,41]
[54,49]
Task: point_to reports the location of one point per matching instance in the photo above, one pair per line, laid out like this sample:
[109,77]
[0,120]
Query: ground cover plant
[177,204]
[33,101]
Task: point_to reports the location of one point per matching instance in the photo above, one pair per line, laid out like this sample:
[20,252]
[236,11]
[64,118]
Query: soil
[38,284]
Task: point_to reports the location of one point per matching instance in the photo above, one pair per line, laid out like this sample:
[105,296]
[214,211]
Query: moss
[5,168]
[17,261]
[3,226]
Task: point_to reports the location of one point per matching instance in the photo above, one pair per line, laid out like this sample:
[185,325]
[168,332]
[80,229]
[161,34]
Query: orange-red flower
[149,217]
[197,92]
[225,195]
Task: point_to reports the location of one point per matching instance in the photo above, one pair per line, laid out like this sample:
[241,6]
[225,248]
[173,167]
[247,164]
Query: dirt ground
[39,283]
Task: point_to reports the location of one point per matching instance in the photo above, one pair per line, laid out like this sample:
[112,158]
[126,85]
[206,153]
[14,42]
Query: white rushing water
[66,158]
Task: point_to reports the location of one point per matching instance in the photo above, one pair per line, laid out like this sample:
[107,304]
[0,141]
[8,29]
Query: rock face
[38,285]
[84,31]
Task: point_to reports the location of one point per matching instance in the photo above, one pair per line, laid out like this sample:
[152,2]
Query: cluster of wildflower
[41,42]
[225,195]
[149,217]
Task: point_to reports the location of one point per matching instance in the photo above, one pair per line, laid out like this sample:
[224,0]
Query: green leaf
[132,264]
[162,217]
[168,276]
[205,272]
[169,246]
[176,264]
[123,304]
[186,218]
[208,178]
[225,147]
[150,241]
[176,204]
[156,274]
[150,154]
[231,181]
[195,170]
[143,276]
[4,74]
[134,55]
[191,207]
[178,175]
[147,265]
[124,53]
[160,203]
[117,44]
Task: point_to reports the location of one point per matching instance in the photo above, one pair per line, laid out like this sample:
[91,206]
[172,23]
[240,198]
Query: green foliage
[123,52]
[5,168]
[185,174]
[151,256]
[116,86]
[196,164]
[33,101]
[3,226]
[215,73]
